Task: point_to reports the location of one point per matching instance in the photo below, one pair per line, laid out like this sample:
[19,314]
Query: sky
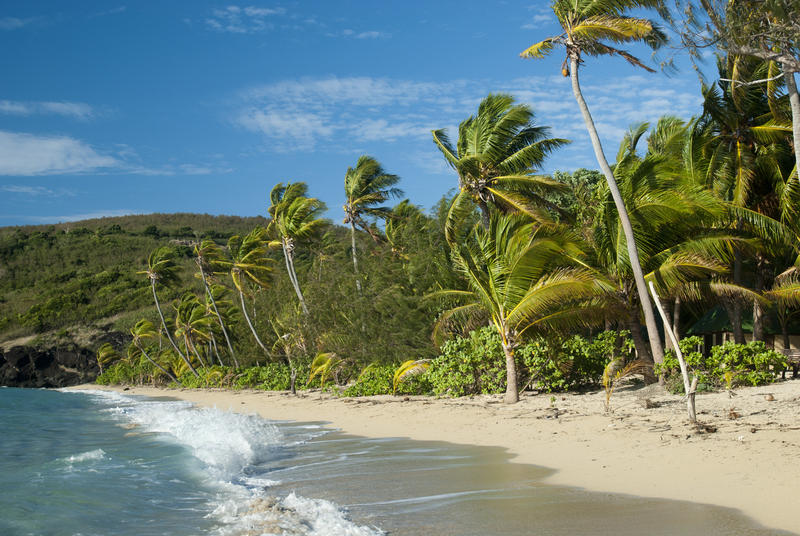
[203,106]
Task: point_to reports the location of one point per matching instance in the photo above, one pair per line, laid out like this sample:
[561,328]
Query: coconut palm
[496,154]
[143,330]
[106,355]
[193,325]
[365,187]
[520,276]
[207,255]
[586,24]
[295,217]
[162,270]
[249,266]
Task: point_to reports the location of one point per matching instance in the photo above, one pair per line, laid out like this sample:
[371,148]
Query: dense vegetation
[516,281]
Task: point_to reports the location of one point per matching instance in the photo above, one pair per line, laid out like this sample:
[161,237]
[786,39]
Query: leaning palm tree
[586,25]
[496,154]
[521,276]
[193,325]
[249,266]
[365,187]
[207,253]
[295,217]
[144,329]
[161,269]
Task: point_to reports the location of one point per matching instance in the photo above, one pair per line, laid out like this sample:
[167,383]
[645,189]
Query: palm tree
[295,217]
[586,24]
[207,253]
[365,187]
[496,154]
[248,265]
[519,275]
[193,324]
[144,329]
[161,269]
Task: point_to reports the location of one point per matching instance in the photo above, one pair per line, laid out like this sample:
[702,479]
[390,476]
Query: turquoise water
[91,463]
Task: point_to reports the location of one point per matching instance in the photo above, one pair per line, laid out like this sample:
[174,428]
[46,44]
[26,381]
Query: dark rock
[25,366]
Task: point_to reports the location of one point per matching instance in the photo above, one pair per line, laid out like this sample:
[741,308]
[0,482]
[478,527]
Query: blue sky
[202,106]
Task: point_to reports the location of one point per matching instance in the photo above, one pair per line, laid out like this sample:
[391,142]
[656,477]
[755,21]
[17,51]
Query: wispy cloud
[27,154]
[86,216]
[345,114]
[112,11]
[35,191]
[76,110]
[243,20]
[14,23]
[353,34]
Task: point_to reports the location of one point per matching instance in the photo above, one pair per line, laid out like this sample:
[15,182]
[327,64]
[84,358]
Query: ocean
[93,463]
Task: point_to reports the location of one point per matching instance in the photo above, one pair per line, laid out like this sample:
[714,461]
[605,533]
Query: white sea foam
[231,446]
[97,454]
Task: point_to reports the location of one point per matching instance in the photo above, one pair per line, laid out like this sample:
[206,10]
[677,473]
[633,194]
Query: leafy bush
[373,380]
[574,362]
[271,377]
[729,365]
[469,365]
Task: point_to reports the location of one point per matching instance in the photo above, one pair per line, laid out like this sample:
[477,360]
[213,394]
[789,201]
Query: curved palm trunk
[219,318]
[190,346]
[213,343]
[633,253]
[794,102]
[162,369]
[287,256]
[485,220]
[249,323]
[166,330]
[512,391]
[355,258]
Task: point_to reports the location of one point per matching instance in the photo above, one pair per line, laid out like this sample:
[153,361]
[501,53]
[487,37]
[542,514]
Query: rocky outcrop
[26,366]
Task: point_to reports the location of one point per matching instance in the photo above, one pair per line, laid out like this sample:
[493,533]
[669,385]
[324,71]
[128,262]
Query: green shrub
[270,377]
[373,380]
[469,365]
[729,365]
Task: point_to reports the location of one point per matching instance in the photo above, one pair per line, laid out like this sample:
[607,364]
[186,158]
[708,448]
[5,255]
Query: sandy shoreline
[644,447]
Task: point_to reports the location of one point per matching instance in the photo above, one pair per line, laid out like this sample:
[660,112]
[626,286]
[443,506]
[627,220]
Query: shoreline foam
[645,447]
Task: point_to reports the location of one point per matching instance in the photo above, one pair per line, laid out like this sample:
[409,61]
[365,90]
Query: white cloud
[14,23]
[242,20]
[112,11]
[27,190]
[76,110]
[87,216]
[27,154]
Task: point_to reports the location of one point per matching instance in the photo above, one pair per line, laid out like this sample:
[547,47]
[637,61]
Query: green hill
[77,274]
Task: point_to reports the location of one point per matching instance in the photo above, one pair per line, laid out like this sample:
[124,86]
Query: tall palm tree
[586,24]
[365,187]
[162,270]
[144,329]
[295,217]
[207,253]
[496,154]
[520,276]
[249,266]
[193,325]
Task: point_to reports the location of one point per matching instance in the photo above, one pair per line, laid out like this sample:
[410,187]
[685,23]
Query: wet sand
[744,456]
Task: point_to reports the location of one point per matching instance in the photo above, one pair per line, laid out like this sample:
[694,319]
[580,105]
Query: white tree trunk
[249,323]
[633,253]
[355,259]
[287,256]
[219,318]
[166,329]
[689,388]
[794,102]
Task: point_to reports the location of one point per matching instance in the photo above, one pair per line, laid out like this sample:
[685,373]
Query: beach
[743,455]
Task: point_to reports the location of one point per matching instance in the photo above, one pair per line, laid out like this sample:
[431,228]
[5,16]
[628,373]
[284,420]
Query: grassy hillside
[80,273]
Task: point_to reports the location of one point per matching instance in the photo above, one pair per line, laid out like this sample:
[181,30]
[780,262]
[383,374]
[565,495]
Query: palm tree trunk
[485,220]
[162,369]
[735,310]
[355,259]
[642,349]
[219,318]
[676,319]
[213,342]
[758,310]
[633,253]
[794,102]
[190,345]
[512,391]
[667,306]
[169,335]
[249,323]
[287,256]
